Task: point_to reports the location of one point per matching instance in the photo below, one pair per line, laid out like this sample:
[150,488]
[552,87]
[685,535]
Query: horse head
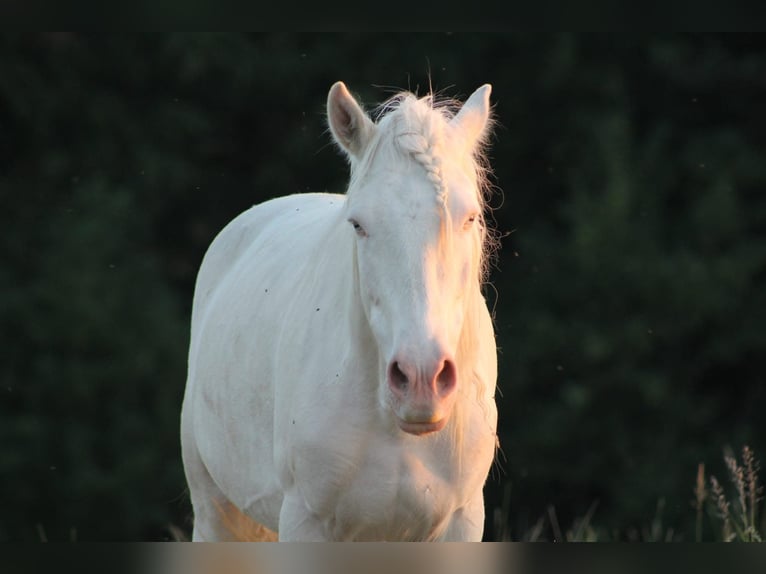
[415,212]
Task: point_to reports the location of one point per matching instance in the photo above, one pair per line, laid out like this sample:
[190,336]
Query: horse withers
[342,363]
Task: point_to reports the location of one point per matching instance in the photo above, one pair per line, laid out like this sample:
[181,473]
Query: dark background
[629,292]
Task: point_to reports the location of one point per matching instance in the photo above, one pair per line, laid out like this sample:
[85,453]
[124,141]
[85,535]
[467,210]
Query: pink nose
[436,380]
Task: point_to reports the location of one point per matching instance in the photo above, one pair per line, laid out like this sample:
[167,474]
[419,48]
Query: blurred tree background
[630,291]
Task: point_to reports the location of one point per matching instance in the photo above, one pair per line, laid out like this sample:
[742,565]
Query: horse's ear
[350,126]
[472,120]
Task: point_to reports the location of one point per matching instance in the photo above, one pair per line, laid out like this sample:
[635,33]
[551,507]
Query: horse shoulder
[242,293]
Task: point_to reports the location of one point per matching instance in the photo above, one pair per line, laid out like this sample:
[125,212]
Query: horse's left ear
[473,118]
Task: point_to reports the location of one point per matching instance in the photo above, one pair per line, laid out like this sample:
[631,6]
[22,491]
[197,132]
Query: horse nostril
[446,380]
[397,377]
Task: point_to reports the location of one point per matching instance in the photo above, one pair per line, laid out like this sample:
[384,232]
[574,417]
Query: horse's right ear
[351,128]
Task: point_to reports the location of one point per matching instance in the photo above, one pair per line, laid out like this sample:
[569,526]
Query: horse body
[307,406]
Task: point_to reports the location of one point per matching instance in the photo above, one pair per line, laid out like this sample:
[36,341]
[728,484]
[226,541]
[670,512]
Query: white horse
[342,363]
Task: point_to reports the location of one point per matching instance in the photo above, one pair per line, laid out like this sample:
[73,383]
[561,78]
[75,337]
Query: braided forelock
[419,133]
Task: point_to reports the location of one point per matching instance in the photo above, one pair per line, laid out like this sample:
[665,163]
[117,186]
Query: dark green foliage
[631,283]
[632,345]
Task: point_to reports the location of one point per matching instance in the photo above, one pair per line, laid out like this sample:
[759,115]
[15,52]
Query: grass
[733,510]
[736,511]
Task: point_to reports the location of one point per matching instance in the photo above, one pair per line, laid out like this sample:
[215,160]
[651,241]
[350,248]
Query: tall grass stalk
[739,516]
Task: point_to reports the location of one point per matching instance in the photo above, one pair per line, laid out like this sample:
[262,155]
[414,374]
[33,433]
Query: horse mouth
[421,428]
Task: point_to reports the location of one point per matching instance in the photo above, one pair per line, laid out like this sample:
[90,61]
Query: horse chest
[391,493]
[413,503]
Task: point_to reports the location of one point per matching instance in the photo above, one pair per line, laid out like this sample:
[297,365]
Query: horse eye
[469,222]
[358,228]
